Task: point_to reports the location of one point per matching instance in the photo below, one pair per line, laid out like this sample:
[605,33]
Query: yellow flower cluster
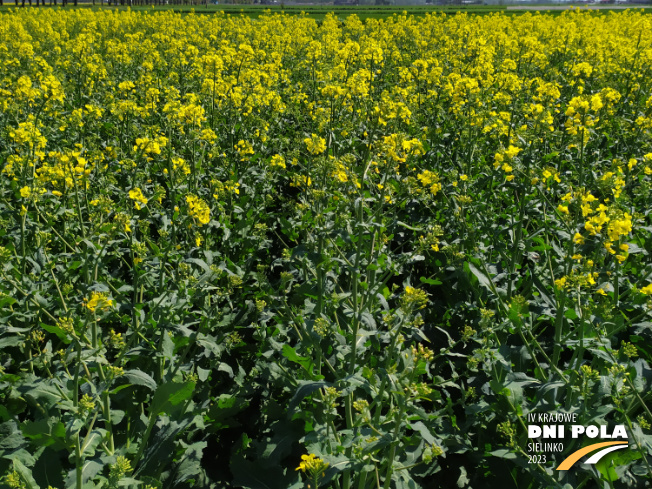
[149,146]
[244,148]
[399,110]
[180,165]
[198,209]
[277,161]
[431,180]
[99,301]
[315,144]
[312,465]
[414,298]
[137,196]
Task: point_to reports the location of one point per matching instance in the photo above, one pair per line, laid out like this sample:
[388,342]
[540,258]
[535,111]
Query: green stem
[78,463]
[545,356]
[392,451]
[362,482]
[75,402]
[22,243]
[94,340]
[383,384]
[143,443]
[517,242]
[79,212]
[617,284]
[61,238]
[355,276]
[107,420]
[559,323]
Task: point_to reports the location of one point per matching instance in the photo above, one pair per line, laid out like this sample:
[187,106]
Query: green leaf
[4,414]
[503,453]
[608,472]
[25,475]
[7,301]
[128,481]
[48,470]
[61,334]
[161,447]
[291,354]
[190,466]
[11,341]
[386,292]
[91,441]
[44,432]
[482,278]
[430,281]
[222,414]
[138,377]
[463,480]
[571,314]
[607,464]
[423,431]
[90,469]
[305,388]
[42,393]
[11,437]
[171,394]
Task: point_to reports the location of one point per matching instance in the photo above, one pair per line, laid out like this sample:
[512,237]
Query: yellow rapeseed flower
[137,196]
[277,161]
[315,144]
[311,465]
[99,301]
[198,209]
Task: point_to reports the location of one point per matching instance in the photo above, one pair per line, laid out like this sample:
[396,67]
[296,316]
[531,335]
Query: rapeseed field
[286,253]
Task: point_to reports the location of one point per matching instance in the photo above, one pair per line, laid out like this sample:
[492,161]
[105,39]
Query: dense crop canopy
[277,252]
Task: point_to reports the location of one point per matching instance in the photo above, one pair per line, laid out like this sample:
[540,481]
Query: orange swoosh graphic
[575,456]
